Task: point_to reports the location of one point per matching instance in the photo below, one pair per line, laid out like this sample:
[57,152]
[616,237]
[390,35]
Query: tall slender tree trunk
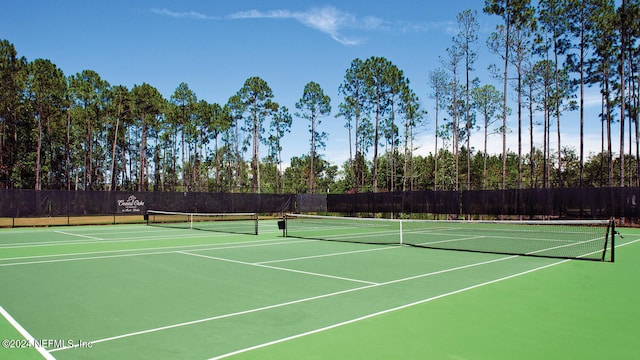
[557,102]
[531,147]
[609,148]
[504,106]
[484,155]
[637,120]
[455,124]
[256,151]
[38,185]
[623,49]
[237,156]
[143,155]
[545,177]
[89,173]
[519,71]
[112,182]
[313,155]
[435,152]
[376,139]
[582,61]
[603,121]
[68,151]
[356,166]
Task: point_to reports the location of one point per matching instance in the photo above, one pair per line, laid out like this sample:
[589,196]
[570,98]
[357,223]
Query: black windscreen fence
[432,202]
[45,203]
[311,203]
[528,202]
[572,203]
[569,203]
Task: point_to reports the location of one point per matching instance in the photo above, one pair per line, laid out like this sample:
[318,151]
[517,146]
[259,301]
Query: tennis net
[237,223]
[566,239]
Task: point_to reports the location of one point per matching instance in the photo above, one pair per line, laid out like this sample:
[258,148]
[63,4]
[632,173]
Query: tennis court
[138,291]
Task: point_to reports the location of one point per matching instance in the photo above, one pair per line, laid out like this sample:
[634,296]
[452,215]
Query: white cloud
[328,20]
[185,14]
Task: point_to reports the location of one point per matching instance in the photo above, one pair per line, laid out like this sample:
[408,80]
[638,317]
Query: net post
[613,238]
[609,241]
[401,241]
[284,227]
[256,223]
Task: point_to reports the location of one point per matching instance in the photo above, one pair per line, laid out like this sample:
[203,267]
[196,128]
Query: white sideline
[26,334]
[279,268]
[274,306]
[290,302]
[161,250]
[78,235]
[382,312]
[255,347]
[198,321]
[93,241]
[324,255]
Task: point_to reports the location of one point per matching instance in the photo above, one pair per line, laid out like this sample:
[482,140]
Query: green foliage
[255,104]
[296,175]
[79,132]
[313,105]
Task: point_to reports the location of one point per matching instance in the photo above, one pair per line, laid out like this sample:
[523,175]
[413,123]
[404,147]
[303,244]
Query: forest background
[542,63]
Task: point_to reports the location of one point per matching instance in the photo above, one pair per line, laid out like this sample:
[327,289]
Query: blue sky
[214,46]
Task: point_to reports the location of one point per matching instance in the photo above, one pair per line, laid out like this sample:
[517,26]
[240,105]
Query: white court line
[78,235]
[453,240]
[111,229]
[326,296]
[88,258]
[223,316]
[125,239]
[382,312]
[484,236]
[571,244]
[31,340]
[221,246]
[395,309]
[326,255]
[289,303]
[279,268]
[129,239]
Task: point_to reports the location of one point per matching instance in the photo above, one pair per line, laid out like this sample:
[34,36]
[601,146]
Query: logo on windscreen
[130,205]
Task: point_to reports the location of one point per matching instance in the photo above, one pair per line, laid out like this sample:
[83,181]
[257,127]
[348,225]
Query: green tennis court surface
[136,291]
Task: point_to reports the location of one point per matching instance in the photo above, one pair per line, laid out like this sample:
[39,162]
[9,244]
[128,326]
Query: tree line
[80,132]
